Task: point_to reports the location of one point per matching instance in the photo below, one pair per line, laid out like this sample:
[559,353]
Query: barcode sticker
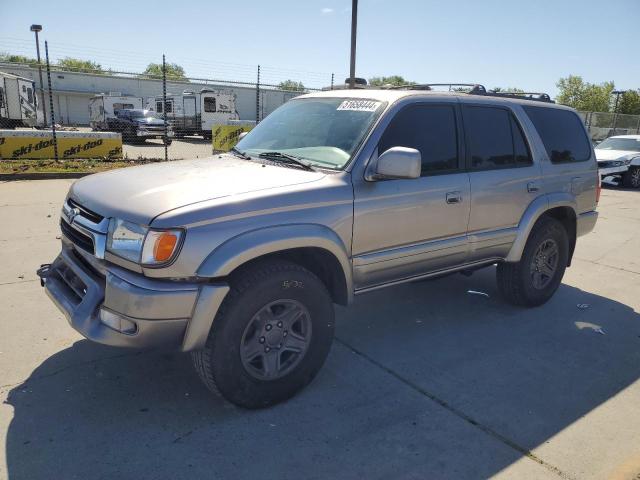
[359,105]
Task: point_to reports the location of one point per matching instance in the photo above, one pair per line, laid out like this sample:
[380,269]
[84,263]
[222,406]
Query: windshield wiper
[286,158]
[240,154]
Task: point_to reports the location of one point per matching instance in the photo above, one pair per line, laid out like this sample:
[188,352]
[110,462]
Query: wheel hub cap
[276,339]
[544,264]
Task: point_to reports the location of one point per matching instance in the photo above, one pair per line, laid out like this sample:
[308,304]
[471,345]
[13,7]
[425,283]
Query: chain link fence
[602,125]
[160,114]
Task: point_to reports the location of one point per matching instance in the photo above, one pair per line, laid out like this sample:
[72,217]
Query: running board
[437,273]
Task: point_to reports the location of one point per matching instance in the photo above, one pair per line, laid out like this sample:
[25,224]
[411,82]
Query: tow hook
[43,272]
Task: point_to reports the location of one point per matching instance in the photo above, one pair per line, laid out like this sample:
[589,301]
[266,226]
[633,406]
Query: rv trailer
[103,108]
[18,102]
[192,113]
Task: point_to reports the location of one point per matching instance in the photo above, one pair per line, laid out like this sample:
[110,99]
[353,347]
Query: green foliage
[629,102]
[11,58]
[394,80]
[507,90]
[79,65]
[174,71]
[291,85]
[581,95]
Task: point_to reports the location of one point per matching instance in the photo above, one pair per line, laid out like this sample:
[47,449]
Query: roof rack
[477,89]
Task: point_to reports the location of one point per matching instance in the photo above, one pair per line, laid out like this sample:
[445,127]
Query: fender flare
[531,215]
[250,245]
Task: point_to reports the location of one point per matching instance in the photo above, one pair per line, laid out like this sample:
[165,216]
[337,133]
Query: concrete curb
[8,177]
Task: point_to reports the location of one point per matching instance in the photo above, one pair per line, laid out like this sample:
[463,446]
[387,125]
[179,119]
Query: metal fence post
[332,81]
[638,126]
[164,107]
[53,119]
[615,122]
[258,96]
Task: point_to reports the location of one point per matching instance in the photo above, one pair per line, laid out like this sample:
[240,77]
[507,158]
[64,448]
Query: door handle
[454,197]
[532,187]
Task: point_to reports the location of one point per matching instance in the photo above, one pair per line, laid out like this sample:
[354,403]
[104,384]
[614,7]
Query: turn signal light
[164,246]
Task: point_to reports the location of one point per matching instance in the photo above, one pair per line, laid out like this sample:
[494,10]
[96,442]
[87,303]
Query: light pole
[35,29]
[354,27]
[617,93]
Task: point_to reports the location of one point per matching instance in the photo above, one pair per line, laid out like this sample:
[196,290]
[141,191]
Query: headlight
[627,161]
[139,244]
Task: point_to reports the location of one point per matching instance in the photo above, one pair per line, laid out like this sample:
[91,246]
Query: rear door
[27,101]
[405,228]
[504,179]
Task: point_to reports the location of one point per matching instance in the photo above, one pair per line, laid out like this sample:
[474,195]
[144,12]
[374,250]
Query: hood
[602,155]
[139,194]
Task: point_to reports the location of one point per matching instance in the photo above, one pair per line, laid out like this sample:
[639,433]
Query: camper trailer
[18,103]
[104,106]
[192,113]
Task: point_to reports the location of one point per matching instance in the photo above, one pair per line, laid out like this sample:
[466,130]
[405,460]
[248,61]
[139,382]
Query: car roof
[394,95]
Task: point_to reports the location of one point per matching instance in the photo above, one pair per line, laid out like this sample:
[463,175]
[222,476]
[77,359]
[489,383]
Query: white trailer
[104,106]
[192,113]
[18,102]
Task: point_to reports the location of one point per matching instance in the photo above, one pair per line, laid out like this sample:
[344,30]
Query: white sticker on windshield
[359,105]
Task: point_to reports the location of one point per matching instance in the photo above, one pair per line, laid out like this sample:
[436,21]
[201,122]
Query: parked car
[239,258]
[136,125]
[103,107]
[619,157]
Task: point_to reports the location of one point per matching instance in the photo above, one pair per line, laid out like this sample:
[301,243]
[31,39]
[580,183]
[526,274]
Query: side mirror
[242,135]
[397,163]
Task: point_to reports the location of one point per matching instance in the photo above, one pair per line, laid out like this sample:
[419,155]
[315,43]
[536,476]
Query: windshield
[628,144]
[323,131]
[144,114]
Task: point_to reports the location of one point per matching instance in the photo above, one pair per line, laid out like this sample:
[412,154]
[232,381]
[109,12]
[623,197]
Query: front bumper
[163,313]
[605,172]
[153,133]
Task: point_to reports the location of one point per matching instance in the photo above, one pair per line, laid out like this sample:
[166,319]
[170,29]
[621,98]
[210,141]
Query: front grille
[78,238]
[85,212]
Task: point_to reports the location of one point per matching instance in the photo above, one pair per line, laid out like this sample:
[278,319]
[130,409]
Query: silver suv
[239,258]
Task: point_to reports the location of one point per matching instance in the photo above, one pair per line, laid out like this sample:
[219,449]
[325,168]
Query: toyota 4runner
[239,258]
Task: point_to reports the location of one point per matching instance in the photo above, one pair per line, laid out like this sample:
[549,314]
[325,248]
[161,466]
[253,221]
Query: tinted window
[431,129]
[209,104]
[29,95]
[562,133]
[489,141]
[159,107]
[520,149]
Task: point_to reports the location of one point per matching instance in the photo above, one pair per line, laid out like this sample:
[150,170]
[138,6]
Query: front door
[406,228]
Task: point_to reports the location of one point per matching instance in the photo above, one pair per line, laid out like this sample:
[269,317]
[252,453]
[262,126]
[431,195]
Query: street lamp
[617,93]
[354,27]
[35,29]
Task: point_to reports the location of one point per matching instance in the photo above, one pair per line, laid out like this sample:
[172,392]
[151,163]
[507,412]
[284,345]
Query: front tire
[535,278]
[270,337]
[631,178]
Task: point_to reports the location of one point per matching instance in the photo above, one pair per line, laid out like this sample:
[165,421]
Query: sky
[525,44]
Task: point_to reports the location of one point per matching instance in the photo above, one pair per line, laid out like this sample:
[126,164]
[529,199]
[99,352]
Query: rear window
[494,139]
[562,133]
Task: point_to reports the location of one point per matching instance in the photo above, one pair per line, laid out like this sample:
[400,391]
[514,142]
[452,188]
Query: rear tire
[631,178]
[255,356]
[535,278]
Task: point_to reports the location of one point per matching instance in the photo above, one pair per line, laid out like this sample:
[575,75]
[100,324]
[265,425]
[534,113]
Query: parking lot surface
[424,380]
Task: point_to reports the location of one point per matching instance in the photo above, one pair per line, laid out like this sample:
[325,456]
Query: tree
[581,95]
[291,85]
[11,58]
[629,102]
[79,65]
[394,80]
[174,71]
[507,90]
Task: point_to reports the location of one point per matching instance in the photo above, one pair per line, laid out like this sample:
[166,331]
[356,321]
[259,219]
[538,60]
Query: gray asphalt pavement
[424,380]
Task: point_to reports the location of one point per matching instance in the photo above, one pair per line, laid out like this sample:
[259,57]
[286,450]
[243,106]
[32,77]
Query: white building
[72,90]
